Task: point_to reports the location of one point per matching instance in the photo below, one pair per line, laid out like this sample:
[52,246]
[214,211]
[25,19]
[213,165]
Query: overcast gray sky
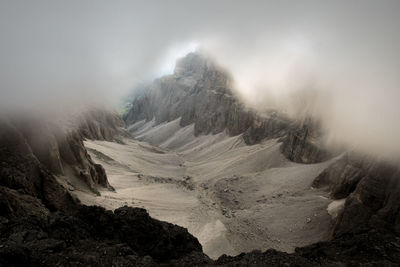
[73,52]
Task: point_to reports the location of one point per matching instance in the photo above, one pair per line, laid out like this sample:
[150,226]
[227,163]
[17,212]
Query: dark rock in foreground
[372,248]
[94,236]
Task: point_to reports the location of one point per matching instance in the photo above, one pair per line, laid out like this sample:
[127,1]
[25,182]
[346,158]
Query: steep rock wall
[372,191]
[27,186]
[35,153]
[102,124]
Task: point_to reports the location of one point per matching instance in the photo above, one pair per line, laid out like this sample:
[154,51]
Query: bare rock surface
[303,143]
[27,185]
[42,161]
[101,124]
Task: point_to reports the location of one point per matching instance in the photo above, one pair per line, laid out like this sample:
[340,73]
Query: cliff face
[199,92]
[303,143]
[61,151]
[372,191]
[27,186]
[38,159]
[101,124]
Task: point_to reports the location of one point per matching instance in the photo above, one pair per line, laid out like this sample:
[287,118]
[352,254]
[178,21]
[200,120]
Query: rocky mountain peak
[200,93]
[193,64]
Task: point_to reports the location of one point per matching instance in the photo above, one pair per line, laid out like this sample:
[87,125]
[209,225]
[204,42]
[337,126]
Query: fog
[341,59]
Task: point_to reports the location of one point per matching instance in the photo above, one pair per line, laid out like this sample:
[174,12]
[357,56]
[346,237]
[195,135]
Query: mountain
[43,162]
[200,92]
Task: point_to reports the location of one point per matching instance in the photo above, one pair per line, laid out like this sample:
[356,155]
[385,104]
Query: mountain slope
[199,93]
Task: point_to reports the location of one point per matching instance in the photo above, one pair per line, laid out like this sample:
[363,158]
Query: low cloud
[339,59]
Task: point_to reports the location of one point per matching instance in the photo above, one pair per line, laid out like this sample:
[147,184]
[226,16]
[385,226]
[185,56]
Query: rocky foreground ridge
[93,236]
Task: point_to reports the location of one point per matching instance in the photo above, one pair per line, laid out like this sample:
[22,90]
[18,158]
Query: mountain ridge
[200,92]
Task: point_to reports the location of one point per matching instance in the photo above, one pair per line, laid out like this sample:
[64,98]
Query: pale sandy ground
[234,198]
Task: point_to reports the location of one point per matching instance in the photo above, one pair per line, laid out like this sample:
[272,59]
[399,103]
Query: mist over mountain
[201,133]
[339,59]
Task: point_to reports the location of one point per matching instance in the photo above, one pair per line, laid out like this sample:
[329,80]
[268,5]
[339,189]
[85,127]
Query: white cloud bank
[71,53]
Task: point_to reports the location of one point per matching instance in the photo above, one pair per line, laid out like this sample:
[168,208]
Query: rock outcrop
[372,191]
[129,237]
[93,236]
[27,186]
[303,143]
[36,154]
[61,152]
[370,248]
[102,124]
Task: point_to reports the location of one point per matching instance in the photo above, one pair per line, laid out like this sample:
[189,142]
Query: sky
[341,59]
